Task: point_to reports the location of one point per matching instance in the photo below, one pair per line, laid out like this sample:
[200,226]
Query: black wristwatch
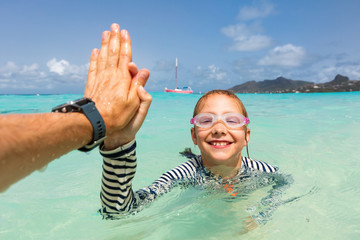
[87,107]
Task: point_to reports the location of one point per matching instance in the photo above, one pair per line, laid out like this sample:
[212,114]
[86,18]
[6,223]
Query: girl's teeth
[219,143]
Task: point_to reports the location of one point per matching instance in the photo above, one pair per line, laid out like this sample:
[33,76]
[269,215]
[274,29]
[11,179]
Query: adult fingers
[125,50]
[102,59]
[92,72]
[124,60]
[114,46]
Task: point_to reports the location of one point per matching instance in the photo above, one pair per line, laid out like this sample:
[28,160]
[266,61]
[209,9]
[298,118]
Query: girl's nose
[219,128]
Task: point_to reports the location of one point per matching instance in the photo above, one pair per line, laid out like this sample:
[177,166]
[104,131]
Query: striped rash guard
[119,167]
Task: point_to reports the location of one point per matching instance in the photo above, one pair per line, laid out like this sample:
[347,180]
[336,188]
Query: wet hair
[187,151]
[219,92]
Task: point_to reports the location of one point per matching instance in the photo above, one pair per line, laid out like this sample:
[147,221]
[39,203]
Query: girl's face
[218,144]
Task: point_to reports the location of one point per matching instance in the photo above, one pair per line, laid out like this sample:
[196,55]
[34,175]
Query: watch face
[81,101]
[61,108]
[72,106]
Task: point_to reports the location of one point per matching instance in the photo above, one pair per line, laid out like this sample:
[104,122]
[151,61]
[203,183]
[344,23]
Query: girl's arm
[119,167]
[280,183]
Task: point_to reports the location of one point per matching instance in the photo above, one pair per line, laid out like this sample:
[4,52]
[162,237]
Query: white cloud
[30,78]
[251,43]
[246,38]
[262,11]
[247,70]
[32,70]
[12,71]
[8,69]
[216,73]
[287,55]
[210,73]
[14,77]
[58,67]
[9,66]
[64,68]
[350,70]
[234,31]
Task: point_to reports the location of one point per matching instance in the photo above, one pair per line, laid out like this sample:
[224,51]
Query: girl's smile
[219,144]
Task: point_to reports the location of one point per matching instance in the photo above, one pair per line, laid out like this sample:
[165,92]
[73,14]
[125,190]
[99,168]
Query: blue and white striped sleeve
[185,171]
[258,165]
[119,167]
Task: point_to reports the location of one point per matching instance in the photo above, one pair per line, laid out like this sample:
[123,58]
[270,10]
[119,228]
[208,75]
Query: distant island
[284,85]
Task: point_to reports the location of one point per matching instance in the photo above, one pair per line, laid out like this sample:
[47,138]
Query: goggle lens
[232,120]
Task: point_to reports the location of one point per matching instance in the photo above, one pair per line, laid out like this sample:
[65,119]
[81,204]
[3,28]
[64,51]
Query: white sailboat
[176,89]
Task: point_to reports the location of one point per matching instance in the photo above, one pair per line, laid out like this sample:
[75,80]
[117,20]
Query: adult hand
[128,133]
[112,83]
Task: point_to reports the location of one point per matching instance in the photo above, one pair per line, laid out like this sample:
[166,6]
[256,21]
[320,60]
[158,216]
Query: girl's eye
[205,120]
[233,120]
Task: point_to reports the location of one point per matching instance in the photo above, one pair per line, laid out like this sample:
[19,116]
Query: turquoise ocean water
[312,137]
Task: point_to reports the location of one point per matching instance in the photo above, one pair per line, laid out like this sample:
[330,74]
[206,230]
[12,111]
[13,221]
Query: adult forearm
[28,142]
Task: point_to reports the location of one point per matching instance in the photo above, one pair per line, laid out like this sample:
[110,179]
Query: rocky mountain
[284,85]
[276,85]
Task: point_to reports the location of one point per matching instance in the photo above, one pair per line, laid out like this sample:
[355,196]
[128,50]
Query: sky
[46,45]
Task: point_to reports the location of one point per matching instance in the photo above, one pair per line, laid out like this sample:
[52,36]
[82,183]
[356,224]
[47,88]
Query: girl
[220,131]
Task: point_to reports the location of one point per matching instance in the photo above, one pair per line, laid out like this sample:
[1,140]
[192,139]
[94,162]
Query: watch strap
[98,124]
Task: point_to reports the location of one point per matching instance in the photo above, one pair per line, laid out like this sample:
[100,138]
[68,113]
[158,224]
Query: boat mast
[176,73]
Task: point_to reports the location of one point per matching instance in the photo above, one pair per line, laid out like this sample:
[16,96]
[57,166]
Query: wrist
[111,143]
[119,152]
[86,107]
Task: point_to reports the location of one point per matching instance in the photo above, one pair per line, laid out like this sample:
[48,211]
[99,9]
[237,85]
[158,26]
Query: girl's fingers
[142,76]
[140,79]
[133,69]
[145,98]
[145,102]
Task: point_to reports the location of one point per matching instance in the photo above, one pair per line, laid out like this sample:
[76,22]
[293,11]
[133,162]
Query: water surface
[312,137]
